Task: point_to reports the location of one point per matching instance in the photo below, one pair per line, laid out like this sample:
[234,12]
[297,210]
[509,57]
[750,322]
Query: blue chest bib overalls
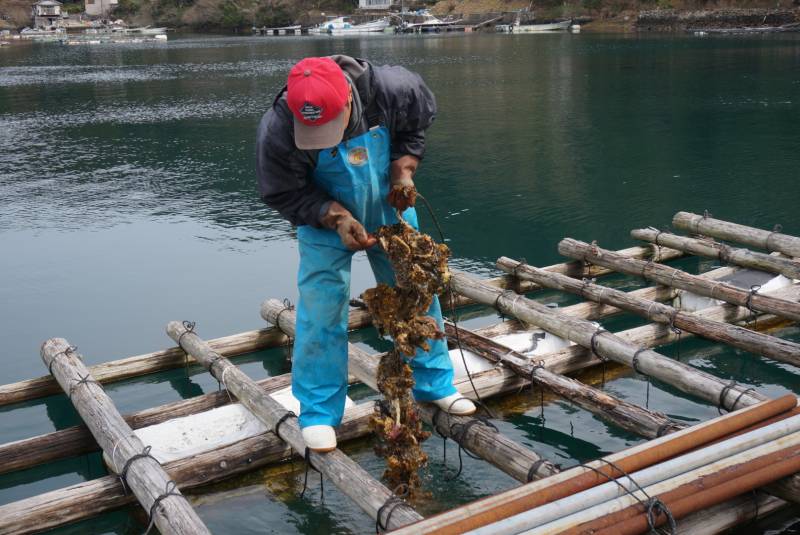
[356,174]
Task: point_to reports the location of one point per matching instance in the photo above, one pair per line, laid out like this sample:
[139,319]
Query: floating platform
[703,478]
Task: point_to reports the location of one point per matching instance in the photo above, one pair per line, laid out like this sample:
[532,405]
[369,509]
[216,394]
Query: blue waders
[356,174]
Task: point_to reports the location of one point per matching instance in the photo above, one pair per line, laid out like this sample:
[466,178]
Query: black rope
[168,491]
[281,420]
[310,466]
[749,304]
[663,428]
[739,397]
[458,432]
[517,280]
[288,306]
[677,332]
[84,380]
[123,474]
[214,359]
[395,500]
[188,327]
[652,506]
[585,282]
[68,351]
[535,465]
[635,366]
[730,386]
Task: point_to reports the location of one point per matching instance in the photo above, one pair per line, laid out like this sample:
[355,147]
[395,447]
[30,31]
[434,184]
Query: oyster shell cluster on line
[420,267]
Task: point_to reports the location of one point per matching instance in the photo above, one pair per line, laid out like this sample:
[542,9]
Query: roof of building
[47,3]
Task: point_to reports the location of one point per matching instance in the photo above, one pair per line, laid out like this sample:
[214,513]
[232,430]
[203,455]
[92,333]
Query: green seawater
[127,199]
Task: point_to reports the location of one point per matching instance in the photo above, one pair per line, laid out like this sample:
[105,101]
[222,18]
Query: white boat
[518,27]
[429,23]
[344,25]
[147,30]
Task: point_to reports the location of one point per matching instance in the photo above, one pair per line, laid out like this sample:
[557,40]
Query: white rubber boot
[320,438]
[456,404]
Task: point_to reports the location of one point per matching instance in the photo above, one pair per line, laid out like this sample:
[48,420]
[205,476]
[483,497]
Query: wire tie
[188,327]
[739,397]
[663,428]
[535,465]
[168,491]
[123,474]
[287,305]
[84,380]
[70,350]
[635,360]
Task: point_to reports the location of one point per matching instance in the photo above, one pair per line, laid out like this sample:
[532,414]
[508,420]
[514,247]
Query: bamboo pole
[755,342]
[722,252]
[624,415]
[608,345]
[724,230]
[77,440]
[680,279]
[352,479]
[249,341]
[509,456]
[159,495]
[83,500]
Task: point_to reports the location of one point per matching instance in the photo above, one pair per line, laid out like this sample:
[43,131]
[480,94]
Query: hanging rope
[288,306]
[593,350]
[777,229]
[310,466]
[458,432]
[749,304]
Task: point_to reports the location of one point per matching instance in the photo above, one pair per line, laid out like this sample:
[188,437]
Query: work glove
[403,194]
[351,232]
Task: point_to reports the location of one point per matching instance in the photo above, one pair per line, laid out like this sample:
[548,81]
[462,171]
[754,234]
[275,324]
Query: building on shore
[46,14]
[100,8]
[374,5]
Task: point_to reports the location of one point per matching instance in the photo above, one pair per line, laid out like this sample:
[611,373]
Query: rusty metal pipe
[684,491]
[697,495]
[642,457]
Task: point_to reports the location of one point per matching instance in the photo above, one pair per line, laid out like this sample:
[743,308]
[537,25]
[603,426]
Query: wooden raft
[732,322]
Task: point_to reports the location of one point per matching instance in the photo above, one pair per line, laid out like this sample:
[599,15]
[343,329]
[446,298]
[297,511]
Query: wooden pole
[608,345]
[89,498]
[511,457]
[352,480]
[755,342]
[61,444]
[722,252]
[77,440]
[624,415]
[717,228]
[249,341]
[159,495]
[680,279]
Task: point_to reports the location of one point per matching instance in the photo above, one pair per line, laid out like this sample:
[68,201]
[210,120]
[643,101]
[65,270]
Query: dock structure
[696,479]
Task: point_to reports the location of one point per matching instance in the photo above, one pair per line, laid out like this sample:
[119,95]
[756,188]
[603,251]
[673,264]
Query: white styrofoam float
[197,433]
[529,343]
[742,278]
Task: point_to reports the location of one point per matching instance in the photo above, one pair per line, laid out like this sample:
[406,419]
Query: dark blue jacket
[392,96]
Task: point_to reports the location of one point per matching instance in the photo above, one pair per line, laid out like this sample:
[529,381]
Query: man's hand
[403,194]
[351,232]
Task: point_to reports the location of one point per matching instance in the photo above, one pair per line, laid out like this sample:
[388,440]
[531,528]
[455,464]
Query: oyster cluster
[420,267]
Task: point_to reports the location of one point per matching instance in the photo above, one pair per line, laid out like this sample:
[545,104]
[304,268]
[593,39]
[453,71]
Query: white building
[100,8]
[46,14]
[374,5]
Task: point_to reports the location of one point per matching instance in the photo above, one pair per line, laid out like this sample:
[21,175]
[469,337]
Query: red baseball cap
[317,94]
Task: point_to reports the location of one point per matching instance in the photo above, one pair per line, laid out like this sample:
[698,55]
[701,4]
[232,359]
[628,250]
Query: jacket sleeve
[284,172]
[412,109]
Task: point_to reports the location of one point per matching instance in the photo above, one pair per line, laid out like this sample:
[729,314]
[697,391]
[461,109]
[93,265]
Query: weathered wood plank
[625,415]
[680,279]
[755,342]
[77,440]
[170,511]
[349,477]
[247,342]
[724,230]
[722,252]
[607,345]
